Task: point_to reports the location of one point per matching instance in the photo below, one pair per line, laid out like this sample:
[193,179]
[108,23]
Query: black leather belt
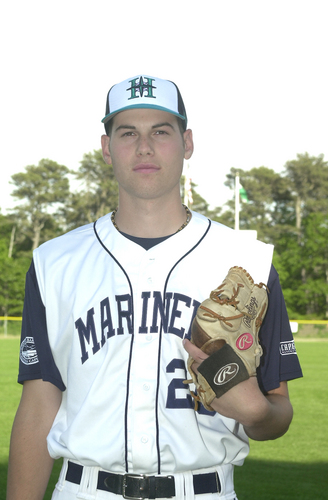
[139,486]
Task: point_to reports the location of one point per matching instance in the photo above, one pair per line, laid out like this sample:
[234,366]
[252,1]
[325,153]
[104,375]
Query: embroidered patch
[226,373]
[244,341]
[287,348]
[28,354]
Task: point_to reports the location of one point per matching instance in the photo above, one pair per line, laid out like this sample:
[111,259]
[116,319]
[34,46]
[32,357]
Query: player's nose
[144,146]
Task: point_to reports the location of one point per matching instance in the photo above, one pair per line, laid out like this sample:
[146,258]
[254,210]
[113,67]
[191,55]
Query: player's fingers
[197,354]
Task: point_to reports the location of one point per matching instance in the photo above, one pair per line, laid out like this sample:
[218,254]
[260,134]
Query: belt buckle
[125,485]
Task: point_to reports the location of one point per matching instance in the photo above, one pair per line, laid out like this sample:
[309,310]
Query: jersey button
[144,439]
[146,387]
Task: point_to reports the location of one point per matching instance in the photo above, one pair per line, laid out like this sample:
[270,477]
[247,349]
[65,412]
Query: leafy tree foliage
[308,177]
[41,188]
[12,272]
[98,193]
[303,268]
[269,202]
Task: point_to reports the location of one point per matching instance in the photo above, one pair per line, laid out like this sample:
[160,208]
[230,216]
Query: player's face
[147,150]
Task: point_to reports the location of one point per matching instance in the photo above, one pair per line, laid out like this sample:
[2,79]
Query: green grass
[292,467]
[13,328]
[10,394]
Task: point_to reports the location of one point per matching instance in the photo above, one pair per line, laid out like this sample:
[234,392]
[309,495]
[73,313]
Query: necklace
[180,228]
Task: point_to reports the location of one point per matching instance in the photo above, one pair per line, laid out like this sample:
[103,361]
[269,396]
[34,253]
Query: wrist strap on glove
[222,370]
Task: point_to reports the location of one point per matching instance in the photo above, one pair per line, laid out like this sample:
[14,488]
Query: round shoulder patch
[28,354]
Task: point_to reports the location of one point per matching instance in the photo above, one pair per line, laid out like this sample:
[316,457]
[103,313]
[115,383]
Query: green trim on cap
[141,106]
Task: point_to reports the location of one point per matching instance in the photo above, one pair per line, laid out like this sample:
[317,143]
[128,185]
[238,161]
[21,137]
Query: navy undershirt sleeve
[279,361]
[36,359]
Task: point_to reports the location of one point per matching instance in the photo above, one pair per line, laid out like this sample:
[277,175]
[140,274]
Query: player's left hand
[242,402]
[263,416]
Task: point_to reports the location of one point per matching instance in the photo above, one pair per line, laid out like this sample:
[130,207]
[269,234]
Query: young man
[106,329]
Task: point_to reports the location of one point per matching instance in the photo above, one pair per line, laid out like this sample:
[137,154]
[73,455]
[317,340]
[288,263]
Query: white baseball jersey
[116,315]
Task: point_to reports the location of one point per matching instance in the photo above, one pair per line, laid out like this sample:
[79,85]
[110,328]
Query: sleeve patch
[28,353]
[287,348]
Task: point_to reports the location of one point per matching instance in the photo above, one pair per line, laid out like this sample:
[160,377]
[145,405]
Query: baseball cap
[145,92]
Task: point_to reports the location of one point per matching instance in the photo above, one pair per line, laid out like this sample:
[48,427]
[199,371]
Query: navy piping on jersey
[159,345]
[160,342]
[131,346]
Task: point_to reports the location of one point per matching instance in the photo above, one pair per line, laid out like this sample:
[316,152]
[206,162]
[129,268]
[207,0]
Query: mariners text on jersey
[94,333]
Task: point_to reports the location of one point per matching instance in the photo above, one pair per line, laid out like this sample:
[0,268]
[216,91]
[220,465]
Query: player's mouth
[146,168]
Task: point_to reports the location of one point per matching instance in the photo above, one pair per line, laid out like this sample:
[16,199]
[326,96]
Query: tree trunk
[11,244]
[298,215]
[36,234]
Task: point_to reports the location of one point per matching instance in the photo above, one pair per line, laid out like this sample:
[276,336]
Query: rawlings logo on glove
[226,327]
[226,373]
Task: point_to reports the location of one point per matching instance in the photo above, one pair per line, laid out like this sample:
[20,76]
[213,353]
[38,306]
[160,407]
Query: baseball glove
[226,327]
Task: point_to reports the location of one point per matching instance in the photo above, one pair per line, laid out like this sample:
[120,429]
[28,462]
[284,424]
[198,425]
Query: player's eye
[160,132]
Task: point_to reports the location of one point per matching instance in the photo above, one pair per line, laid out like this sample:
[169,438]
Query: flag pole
[237,207]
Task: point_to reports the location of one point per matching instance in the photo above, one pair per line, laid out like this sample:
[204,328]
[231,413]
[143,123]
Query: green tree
[303,268]
[268,205]
[12,272]
[308,177]
[42,189]
[97,194]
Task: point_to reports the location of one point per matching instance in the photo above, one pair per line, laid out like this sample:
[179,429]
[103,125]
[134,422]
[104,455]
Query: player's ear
[105,149]
[189,144]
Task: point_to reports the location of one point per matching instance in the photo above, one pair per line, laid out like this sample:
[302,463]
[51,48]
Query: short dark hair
[108,126]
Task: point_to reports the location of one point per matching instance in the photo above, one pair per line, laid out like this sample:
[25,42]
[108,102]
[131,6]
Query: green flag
[243,194]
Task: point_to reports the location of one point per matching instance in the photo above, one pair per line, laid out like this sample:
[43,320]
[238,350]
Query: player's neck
[150,218]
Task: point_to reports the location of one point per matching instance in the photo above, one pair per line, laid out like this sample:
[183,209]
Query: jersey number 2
[177,388]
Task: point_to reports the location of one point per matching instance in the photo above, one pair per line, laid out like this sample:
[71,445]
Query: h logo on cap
[141,87]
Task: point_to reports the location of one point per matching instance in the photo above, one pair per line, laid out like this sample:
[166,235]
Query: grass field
[293,467]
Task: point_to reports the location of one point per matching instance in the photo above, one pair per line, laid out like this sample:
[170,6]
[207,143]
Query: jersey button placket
[144,374]
[149,271]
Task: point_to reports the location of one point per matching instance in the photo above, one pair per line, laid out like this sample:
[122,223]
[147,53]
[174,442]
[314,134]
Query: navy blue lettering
[143,327]
[173,401]
[124,313]
[159,308]
[84,334]
[203,411]
[176,386]
[106,321]
[176,313]
[195,305]
[161,314]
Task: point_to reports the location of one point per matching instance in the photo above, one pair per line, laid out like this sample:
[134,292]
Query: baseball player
[106,354]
